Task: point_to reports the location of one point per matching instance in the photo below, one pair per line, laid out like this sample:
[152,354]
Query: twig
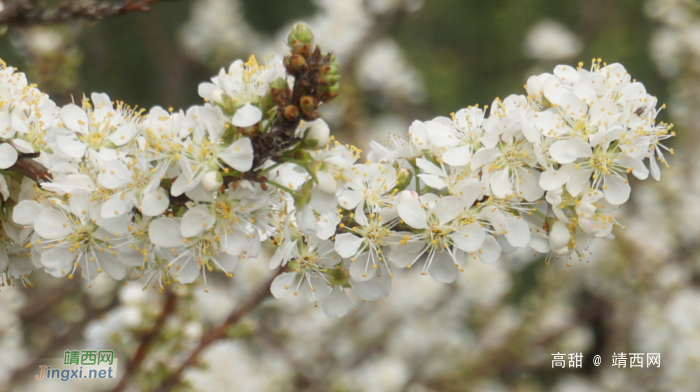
[30,12]
[64,339]
[219,332]
[44,303]
[144,345]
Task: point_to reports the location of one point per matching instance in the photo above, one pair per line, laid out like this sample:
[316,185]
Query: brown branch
[260,293]
[31,169]
[144,345]
[44,303]
[63,339]
[268,145]
[31,12]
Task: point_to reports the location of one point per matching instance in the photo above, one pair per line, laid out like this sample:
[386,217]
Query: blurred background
[493,330]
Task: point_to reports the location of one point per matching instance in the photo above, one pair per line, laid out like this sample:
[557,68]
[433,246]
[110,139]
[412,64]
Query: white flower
[366,244]
[439,236]
[67,237]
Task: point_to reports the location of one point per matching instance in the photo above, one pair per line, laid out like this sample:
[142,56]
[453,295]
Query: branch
[262,292]
[140,355]
[30,168]
[30,12]
[63,339]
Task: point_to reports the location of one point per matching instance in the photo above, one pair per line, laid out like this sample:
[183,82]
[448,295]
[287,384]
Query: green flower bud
[300,39]
[302,33]
[403,178]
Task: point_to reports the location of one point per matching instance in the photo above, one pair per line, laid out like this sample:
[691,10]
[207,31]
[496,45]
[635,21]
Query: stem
[415,176]
[282,187]
[541,215]
[260,293]
[140,355]
[269,169]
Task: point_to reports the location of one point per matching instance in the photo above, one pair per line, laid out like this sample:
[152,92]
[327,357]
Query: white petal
[124,134]
[165,232]
[239,155]
[578,181]
[439,134]
[638,169]
[500,183]
[4,190]
[552,179]
[25,212]
[430,168]
[518,234]
[413,214]
[74,117]
[566,73]
[282,254]
[283,284]
[246,116]
[23,146]
[188,272]
[52,224]
[484,156]
[458,156]
[154,203]
[443,268]
[448,208]
[578,148]
[654,168]
[528,187]
[559,238]
[71,146]
[560,153]
[349,199]
[114,207]
[58,261]
[368,290]
[112,265]
[337,304]
[347,244]
[196,221]
[617,191]
[361,269]
[8,155]
[469,238]
[490,251]
[404,255]
[433,181]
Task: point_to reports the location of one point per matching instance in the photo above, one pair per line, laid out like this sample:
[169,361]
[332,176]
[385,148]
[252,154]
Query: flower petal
[617,189]
[239,155]
[469,238]
[52,224]
[413,214]
[196,221]
[247,116]
[347,244]
[8,155]
[165,232]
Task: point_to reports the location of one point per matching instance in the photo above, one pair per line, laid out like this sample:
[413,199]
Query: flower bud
[326,183]
[300,38]
[217,96]
[316,134]
[302,33]
[403,178]
[308,104]
[212,181]
[295,63]
[559,238]
[291,113]
[405,196]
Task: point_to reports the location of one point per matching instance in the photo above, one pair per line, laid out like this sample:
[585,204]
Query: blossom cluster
[164,196]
